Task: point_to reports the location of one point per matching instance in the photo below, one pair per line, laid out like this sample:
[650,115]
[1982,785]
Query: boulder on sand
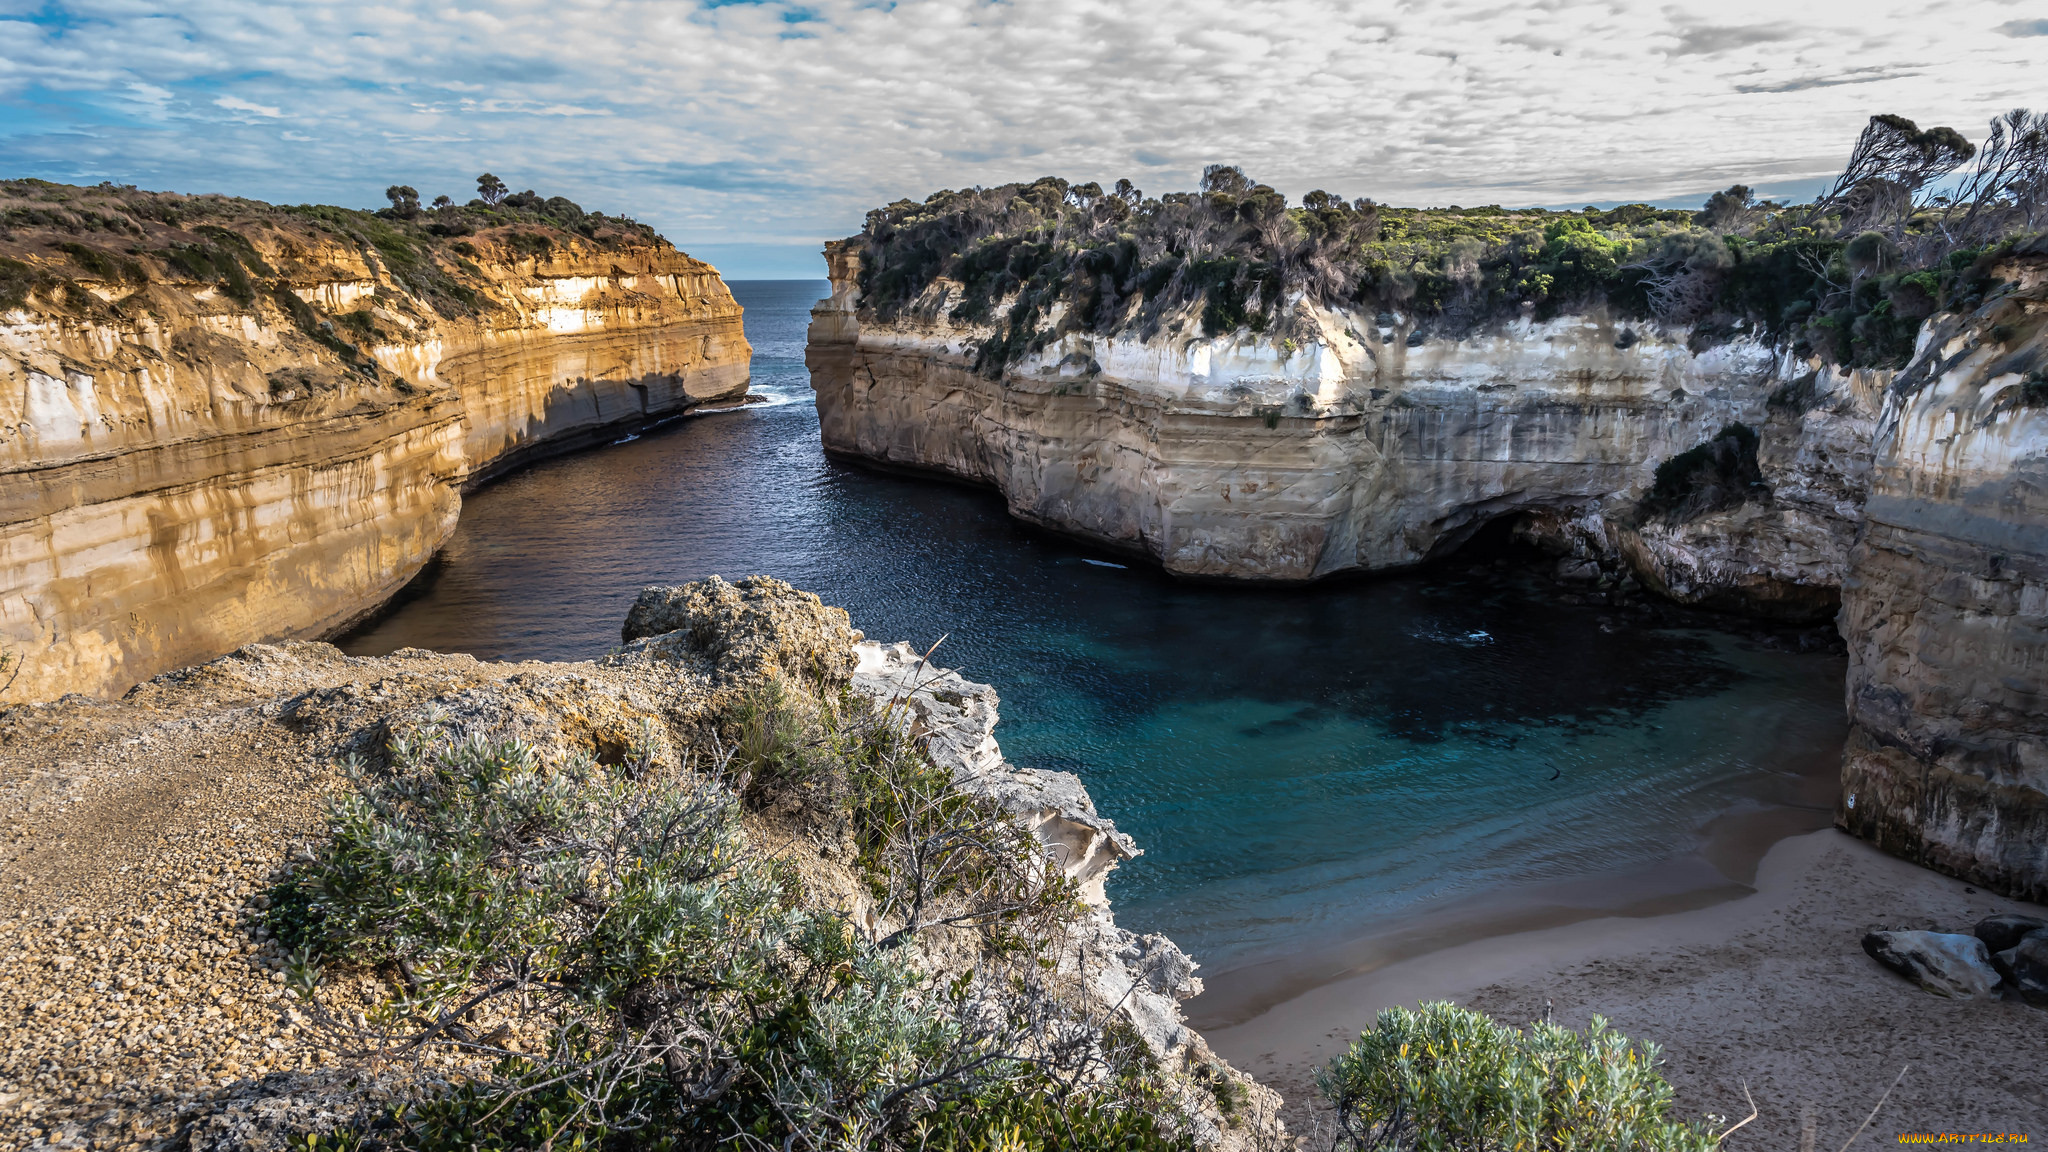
[1944,963]
[2025,966]
[2005,930]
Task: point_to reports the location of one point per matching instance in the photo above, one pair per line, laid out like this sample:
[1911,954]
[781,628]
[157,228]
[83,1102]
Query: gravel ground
[135,984]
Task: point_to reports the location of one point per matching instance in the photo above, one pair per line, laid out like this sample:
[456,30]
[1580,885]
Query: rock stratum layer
[1912,501]
[1946,603]
[1366,447]
[189,463]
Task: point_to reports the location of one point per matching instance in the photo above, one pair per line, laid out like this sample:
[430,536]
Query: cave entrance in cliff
[1491,542]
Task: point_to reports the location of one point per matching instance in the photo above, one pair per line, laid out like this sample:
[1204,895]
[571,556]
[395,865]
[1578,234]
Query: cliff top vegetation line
[57,240]
[1848,277]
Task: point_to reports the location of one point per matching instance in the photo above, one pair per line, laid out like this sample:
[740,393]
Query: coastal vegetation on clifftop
[1848,277]
[56,239]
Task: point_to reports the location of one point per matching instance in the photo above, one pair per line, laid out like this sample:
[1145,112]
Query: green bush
[1819,278]
[1720,473]
[614,964]
[1448,1079]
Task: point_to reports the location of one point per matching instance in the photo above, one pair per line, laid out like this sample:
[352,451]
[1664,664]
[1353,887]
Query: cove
[1312,772]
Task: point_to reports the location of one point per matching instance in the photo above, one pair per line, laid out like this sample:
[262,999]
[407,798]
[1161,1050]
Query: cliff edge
[1727,473]
[1946,603]
[223,421]
[150,836]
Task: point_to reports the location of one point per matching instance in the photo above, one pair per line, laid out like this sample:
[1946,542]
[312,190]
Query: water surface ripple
[1298,765]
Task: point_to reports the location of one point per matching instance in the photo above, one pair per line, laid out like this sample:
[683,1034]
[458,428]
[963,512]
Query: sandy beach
[1770,988]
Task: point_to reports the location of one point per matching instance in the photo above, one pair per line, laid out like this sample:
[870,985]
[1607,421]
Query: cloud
[707,120]
[1806,83]
[1707,40]
[237,104]
[2024,27]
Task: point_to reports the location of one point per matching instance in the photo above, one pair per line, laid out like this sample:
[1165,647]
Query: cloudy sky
[749,131]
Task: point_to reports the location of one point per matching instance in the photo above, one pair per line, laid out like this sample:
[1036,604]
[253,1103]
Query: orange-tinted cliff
[223,422]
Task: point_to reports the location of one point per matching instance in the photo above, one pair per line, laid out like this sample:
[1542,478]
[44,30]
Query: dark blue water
[1299,765]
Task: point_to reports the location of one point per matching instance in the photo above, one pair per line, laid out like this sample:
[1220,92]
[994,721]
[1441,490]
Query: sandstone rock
[189,473]
[1913,501]
[956,719]
[1269,458]
[1946,608]
[756,627]
[2002,932]
[1944,963]
[2025,965]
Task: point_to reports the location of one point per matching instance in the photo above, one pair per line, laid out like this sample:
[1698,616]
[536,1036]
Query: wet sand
[1722,866]
[1771,989]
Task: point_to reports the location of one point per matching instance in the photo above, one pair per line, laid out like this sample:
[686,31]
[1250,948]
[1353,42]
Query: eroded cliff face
[1356,443]
[1946,605]
[183,471]
[1915,502]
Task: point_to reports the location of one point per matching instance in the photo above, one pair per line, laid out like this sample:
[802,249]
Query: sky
[749,131]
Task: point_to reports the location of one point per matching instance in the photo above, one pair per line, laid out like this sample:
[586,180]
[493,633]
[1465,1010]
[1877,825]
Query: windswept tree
[405,200]
[1732,210]
[490,189]
[1894,159]
[2007,192]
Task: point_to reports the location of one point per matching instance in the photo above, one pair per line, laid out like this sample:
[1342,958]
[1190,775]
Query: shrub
[18,279]
[610,962]
[1720,473]
[1234,254]
[1449,1079]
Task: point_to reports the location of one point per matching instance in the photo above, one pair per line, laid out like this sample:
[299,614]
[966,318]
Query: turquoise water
[1301,766]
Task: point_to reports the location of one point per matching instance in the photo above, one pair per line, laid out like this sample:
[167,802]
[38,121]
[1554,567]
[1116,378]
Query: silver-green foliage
[615,964]
[1448,1079]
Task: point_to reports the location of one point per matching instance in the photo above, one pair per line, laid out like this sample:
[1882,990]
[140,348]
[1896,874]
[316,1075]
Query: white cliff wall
[1916,502]
[1266,459]
[1946,606]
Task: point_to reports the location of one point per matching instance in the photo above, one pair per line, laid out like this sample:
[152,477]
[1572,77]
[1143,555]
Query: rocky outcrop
[1782,552]
[1357,441]
[1946,606]
[190,464]
[307,705]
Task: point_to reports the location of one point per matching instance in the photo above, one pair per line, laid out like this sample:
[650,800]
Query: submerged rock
[1945,963]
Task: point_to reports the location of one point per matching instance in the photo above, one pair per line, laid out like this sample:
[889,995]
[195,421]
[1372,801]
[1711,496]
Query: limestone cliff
[1946,605]
[222,422]
[1358,443]
[1913,501]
